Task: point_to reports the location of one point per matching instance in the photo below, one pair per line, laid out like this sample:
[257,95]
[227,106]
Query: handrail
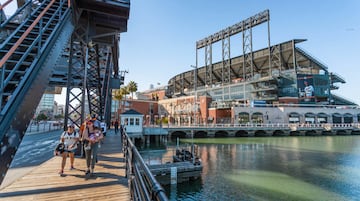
[24,35]
[40,46]
[260,125]
[142,183]
[5,4]
[19,10]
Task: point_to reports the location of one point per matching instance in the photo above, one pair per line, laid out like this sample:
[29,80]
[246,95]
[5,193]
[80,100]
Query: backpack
[59,149]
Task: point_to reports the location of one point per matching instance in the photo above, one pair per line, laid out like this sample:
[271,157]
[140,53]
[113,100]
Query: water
[287,168]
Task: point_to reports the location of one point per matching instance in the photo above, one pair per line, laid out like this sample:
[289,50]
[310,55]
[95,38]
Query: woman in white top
[70,139]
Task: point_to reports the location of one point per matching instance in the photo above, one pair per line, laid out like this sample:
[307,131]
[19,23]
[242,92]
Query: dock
[43,183]
[185,171]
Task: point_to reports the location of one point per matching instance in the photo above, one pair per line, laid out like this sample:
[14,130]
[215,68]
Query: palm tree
[124,91]
[118,96]
[132,87]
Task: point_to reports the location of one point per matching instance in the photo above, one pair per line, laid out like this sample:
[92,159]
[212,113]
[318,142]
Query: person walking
[70,138]
[92,136]
[116,125]
[81,132]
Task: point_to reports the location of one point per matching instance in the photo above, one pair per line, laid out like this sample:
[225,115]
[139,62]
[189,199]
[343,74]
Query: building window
[137,121]
[131,121]
[244,118]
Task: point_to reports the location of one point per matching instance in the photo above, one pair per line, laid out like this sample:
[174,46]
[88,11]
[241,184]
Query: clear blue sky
[161,36]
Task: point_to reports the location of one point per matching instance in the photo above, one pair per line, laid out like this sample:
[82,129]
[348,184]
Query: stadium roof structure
[267,62]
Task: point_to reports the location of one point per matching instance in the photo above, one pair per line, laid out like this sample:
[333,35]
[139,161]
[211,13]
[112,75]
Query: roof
[131,112]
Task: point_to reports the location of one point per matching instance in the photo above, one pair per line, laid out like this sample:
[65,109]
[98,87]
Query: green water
[284,168]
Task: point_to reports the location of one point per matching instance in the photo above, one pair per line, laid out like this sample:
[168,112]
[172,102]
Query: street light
[195,106]
[195,92]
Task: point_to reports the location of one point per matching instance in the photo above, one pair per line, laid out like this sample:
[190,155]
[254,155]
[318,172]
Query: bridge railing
[267,125]
[142,183]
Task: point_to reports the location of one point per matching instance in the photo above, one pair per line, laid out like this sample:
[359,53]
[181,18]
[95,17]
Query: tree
[58,116]
[120,94]
[132,87]
[41,117]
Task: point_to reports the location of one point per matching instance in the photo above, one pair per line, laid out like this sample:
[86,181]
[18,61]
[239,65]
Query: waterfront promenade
[44,182]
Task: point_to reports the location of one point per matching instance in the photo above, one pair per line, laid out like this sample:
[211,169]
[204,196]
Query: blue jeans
[91,155]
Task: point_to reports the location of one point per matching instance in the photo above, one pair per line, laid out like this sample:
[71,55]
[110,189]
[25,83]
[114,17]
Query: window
[131,121]
[137,121]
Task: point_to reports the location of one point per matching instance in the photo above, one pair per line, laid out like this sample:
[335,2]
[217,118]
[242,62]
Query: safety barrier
[142,184]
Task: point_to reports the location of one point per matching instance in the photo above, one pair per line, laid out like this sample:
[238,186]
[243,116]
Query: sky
[161,36]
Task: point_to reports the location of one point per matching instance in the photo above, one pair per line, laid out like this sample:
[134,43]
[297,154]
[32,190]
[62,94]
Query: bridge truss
[63,43]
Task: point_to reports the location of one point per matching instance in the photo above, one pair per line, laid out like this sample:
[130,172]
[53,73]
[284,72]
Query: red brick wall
[204,105]
[218,114]
[143,106]
[160,94]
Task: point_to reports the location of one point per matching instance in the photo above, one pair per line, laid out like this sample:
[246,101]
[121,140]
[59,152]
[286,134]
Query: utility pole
[122,80]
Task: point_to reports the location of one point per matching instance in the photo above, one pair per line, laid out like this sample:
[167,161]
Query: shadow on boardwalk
[44,182]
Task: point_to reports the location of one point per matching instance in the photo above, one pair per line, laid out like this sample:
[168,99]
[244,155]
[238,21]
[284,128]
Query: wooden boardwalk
[44,182]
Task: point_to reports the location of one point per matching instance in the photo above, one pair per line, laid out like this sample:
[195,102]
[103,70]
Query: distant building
[46,105]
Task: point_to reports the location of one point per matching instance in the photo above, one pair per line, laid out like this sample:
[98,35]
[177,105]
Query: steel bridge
[57,43]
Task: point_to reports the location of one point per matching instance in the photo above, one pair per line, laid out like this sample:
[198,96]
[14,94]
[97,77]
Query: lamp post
[195,107]
[195,92]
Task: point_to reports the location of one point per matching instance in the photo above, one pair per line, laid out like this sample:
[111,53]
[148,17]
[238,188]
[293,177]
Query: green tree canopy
[41,117]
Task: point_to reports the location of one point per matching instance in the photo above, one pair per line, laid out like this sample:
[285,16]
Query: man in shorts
[70,138]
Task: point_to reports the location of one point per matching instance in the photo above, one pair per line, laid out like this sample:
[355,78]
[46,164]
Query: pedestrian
[103,130]
[116,125]
[81,132]
[121,129]
[92,135]
[70,138]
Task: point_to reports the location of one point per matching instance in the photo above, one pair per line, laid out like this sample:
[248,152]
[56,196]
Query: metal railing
[142,184]
[260,125]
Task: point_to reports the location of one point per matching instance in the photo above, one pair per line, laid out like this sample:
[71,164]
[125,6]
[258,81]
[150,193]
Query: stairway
[35,37]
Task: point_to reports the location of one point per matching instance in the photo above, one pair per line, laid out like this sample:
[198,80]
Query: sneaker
[61,172]
[72,168]
[87,172]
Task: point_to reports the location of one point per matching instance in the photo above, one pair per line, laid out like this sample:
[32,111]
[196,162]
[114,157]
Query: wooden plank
[44,183]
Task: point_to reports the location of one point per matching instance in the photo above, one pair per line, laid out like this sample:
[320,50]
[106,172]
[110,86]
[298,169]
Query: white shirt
[69,139]
[309,90]
[103,127]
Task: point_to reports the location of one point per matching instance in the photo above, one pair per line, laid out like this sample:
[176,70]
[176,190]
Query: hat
[71,125]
